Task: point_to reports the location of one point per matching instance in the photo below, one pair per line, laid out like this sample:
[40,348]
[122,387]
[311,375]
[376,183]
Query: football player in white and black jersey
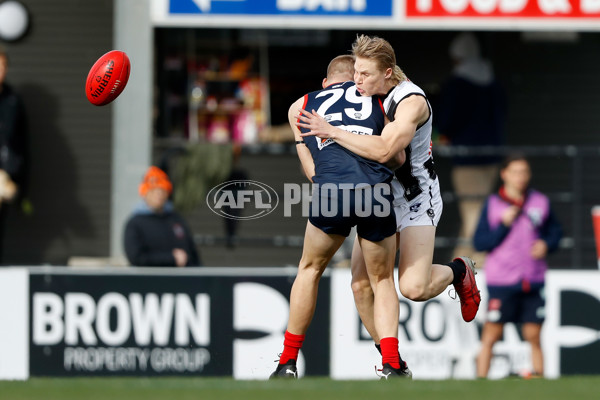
[417,201]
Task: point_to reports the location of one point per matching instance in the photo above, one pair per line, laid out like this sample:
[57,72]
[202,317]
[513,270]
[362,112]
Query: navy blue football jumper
[342,106]
[350,190]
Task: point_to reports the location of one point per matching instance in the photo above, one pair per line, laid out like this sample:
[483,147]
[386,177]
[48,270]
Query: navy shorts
[523,302]
[335,209]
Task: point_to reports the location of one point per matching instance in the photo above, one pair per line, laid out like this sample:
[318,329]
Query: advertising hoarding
[230,322]
[576,15]
[160,324]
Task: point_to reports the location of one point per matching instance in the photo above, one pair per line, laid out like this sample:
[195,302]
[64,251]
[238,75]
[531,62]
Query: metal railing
[580,160]
[573,194]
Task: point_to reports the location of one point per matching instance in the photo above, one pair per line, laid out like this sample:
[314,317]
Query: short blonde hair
[381,51]
[343,64]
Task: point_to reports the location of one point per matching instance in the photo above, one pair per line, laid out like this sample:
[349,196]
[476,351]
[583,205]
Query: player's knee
[532,339]
[488,341]
[312,268]
[491,334]
[414,292]
[361,290]
[532,336]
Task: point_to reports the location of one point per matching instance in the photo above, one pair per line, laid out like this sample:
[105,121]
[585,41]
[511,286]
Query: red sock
[389,352]
[291,346]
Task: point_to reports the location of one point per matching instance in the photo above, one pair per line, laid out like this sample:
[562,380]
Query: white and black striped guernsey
[417,173]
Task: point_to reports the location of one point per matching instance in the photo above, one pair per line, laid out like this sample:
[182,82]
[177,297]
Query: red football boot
[467,290]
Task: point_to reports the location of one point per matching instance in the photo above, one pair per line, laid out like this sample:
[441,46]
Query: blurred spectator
[471,113]
[13,145]
[155,235]
[518,229]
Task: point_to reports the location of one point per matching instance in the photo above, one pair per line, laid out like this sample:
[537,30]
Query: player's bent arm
[399,159]
[396,161]
[396,135]
[306,160]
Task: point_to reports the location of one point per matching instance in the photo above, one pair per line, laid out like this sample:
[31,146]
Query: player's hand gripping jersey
[342,106]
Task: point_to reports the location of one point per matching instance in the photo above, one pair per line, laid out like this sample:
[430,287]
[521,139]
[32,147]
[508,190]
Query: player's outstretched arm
[394,138]
[308,164]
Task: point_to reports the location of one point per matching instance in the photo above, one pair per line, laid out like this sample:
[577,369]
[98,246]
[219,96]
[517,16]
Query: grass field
[571,388]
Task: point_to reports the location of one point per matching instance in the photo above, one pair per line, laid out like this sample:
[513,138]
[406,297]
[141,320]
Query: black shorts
[335,209]
[523,302]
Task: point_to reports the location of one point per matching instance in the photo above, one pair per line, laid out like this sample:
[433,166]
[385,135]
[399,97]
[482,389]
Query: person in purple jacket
[517,228]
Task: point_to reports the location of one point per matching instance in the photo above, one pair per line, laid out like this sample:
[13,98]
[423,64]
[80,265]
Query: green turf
[571,388]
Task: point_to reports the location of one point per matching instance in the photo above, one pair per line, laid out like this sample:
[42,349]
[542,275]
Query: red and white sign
[503,8]
[513,15]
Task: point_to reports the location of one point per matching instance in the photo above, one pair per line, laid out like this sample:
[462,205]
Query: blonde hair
[343,64]
[381,51]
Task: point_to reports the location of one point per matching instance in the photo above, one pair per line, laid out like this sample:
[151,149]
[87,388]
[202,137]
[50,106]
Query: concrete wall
[70,139]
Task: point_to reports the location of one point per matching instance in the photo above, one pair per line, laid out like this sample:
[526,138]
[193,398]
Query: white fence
[59,321]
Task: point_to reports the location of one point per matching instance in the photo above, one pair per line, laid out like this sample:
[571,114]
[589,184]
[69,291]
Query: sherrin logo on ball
[107,78]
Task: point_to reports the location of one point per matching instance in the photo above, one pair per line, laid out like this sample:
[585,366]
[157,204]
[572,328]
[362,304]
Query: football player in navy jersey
[417,199]
[347,183]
